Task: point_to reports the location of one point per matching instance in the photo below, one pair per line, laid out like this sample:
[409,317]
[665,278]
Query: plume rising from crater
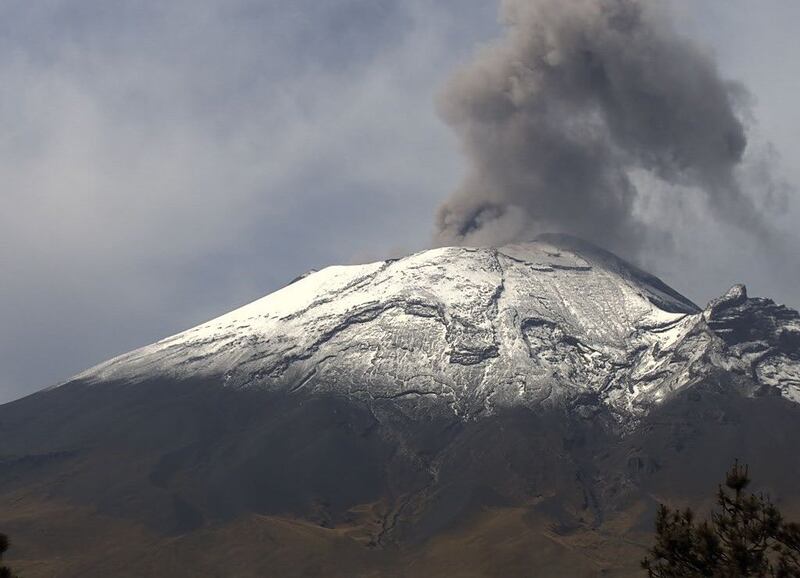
[556,117]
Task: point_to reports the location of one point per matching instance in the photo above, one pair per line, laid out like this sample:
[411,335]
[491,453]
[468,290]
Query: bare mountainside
[459,412]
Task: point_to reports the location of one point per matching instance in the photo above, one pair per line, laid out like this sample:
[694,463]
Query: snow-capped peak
[556,320]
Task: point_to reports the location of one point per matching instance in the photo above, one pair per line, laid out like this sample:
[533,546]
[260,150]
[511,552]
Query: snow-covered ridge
[554,321]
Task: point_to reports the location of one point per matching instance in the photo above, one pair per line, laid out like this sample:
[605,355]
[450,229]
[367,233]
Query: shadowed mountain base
[187,478]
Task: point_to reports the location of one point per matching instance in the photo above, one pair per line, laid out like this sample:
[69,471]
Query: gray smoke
[579,96]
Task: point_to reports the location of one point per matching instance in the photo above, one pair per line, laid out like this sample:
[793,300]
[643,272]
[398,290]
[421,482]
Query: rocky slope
[460,412]
[549,322]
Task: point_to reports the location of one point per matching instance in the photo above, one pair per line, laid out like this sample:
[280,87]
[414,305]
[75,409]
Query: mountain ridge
[463,412]
[553,318]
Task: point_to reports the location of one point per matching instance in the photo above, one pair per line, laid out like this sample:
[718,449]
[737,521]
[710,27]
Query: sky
[165,162]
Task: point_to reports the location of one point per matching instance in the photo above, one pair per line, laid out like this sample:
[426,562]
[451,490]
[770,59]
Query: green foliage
[746,536]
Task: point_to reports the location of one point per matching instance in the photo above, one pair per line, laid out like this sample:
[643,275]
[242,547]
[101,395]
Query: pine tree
[5,572]
[746,536]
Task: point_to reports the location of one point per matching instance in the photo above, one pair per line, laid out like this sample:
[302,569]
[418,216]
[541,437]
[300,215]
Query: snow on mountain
[556,321]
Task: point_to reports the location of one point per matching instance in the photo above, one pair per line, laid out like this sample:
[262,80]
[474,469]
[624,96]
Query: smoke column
[580,94]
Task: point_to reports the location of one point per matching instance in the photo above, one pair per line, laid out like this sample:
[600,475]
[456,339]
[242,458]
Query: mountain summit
[553,321]
[461,412]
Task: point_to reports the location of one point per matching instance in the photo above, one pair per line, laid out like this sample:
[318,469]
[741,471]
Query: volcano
[461,412]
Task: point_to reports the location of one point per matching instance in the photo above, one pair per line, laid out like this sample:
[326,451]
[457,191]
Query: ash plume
[556,117]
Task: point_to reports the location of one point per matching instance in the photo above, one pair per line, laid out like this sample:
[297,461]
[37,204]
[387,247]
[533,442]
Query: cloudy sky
[164,162]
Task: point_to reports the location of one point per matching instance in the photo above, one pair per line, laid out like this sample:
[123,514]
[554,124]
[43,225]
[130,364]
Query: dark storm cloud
[554,119]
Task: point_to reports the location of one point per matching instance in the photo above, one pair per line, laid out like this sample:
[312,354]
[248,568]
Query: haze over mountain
[534,401]
[515,400]
[169,161]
